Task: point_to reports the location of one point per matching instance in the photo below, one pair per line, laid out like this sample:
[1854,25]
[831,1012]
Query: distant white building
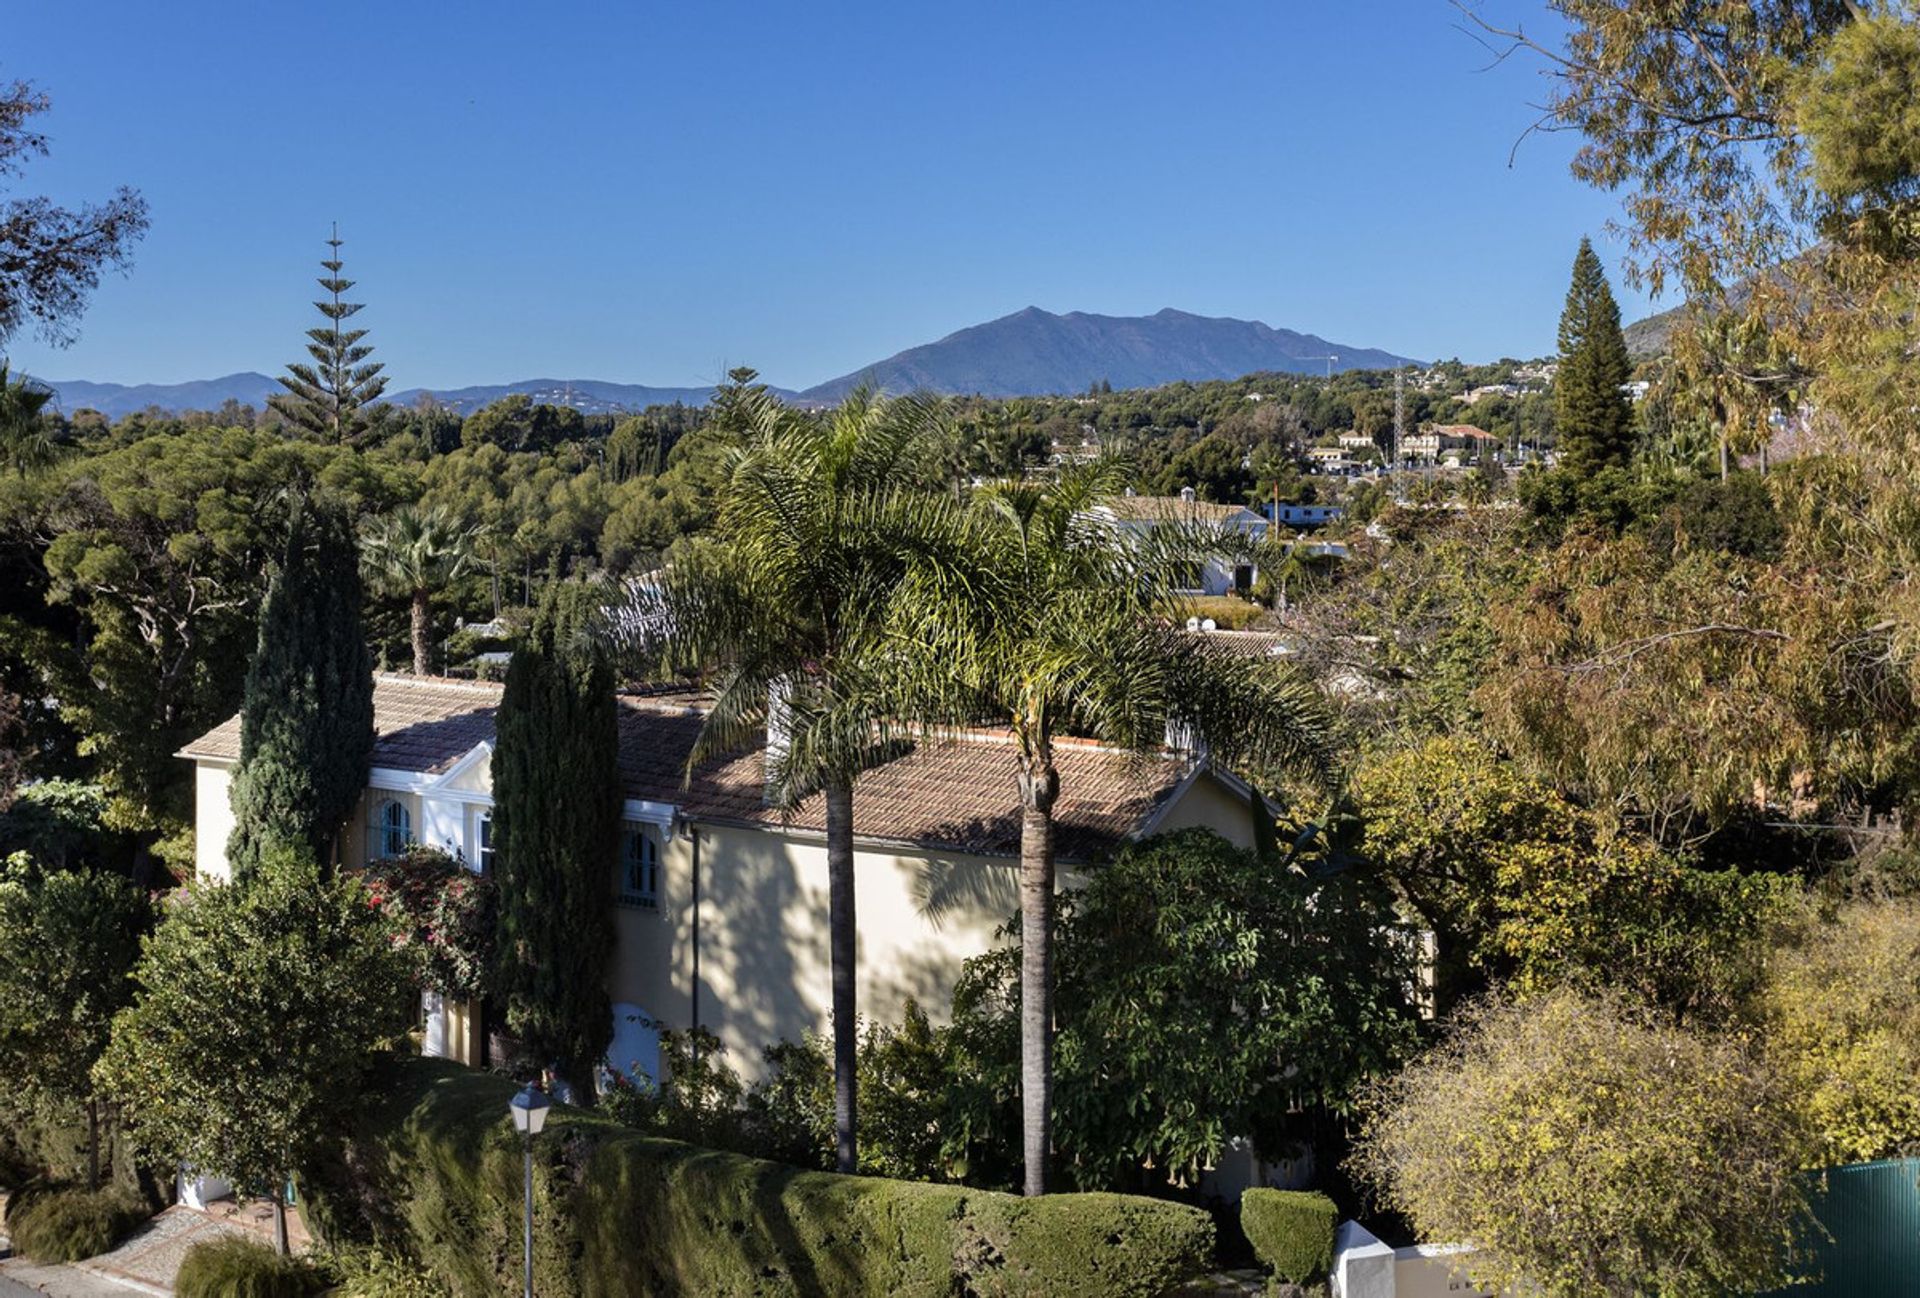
[1301,516]
[1219,576]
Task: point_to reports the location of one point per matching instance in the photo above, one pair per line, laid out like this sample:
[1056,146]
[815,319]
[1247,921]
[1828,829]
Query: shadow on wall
[763,945]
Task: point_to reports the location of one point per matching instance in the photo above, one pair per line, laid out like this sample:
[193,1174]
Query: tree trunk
[1038,789]
[422,631]
[279,1200]
[840,927]
[93,1144]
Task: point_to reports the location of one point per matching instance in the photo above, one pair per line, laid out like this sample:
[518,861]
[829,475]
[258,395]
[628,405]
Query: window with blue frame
[390,830]
[640,866]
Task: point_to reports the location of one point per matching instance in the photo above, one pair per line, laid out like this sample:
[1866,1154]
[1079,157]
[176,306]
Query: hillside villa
[720,900]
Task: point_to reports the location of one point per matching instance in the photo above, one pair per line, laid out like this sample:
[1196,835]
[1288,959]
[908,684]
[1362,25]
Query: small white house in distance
[1138,514]
[1299,516]
[719,900]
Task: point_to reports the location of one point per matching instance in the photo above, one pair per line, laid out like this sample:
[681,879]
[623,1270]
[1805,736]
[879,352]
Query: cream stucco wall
[1209,804]
[762,918]
[212,819]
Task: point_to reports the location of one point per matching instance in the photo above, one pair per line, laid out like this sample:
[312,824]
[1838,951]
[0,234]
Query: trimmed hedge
[243,1268]
[436,1170]
[1291,1231]
[67,1225]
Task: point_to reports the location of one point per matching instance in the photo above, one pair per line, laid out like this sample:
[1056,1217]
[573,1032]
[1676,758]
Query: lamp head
[529,1109]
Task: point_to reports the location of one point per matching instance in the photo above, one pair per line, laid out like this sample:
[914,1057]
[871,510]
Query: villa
[720,899]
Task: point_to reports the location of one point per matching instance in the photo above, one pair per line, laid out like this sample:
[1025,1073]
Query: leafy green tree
[260,1007]
[51,257]
[28,437]
[67,943]
[816,537]
[556,828]
[306,723]
[1592,412]
[1587,1148]
[1157,1069]
[1068,628]
[1519,884]
[331,398]
[413,552]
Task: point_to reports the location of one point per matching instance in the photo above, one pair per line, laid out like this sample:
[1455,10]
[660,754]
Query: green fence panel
[1872,1213]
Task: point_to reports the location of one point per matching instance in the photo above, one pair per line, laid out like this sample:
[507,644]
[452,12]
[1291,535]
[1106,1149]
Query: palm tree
[1071,628]
[788,611]
[411,553]
[28,440]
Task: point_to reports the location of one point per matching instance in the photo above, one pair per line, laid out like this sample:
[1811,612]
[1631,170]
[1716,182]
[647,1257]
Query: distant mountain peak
[1034,352]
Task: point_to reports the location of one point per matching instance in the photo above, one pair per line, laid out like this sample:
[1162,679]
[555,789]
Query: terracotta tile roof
[957,794]
[420,723]
[1172,509]
[1466,430]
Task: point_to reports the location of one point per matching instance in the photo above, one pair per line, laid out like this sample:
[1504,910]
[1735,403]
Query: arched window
[390,830]
[639,867]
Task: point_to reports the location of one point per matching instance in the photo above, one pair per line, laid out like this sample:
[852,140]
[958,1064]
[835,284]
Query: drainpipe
[693,834]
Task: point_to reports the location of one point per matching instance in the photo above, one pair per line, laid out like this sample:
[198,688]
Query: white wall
[212,819]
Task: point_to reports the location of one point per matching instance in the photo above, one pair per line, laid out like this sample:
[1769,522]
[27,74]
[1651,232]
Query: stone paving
[147,1261]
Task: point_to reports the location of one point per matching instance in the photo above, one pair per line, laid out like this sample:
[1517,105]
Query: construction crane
[1330,360]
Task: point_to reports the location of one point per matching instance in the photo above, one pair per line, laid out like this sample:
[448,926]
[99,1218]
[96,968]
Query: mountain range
[1028,353]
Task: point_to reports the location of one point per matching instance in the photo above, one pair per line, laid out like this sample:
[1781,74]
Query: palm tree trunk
[1038,789]
[279,1200]
[840,941]
[93,1144]
[422,630]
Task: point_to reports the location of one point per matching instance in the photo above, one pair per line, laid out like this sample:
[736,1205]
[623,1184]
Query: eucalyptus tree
[410,553]
[789,610]
[1070,626]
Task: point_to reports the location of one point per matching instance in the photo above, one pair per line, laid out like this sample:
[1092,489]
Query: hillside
[1035,352]
[117,399]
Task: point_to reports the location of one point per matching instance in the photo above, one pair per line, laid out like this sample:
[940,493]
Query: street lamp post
[529,1109]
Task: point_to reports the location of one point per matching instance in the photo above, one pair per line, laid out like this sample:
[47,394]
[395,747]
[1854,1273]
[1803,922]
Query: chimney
[1186,495]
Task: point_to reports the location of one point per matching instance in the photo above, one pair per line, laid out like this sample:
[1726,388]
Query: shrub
[68,1225]
[435,1170]
[242,1268]
[1291,1232]
[1229,612]
[369,1271]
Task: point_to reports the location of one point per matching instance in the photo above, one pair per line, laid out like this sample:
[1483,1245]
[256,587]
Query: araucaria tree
[556,827]
[1592,412]
[306,726]
[330,397]
[260,1007]
[51,257]
[410,553]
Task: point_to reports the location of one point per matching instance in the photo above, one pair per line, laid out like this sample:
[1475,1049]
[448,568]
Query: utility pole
[1399,427]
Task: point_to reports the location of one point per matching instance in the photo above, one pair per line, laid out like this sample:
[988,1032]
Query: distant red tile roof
[1466,430]
[956,794]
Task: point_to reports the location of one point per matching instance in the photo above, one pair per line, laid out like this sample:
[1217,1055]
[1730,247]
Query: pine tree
[306,727]
[1592,413]
[331,397]
[556,826]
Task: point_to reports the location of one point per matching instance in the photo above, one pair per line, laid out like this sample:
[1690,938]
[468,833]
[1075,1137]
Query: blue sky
[652,192]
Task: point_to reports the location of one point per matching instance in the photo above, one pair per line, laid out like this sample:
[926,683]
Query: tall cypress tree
[556,827]
[306,728]
[1593,415]
[330,397]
